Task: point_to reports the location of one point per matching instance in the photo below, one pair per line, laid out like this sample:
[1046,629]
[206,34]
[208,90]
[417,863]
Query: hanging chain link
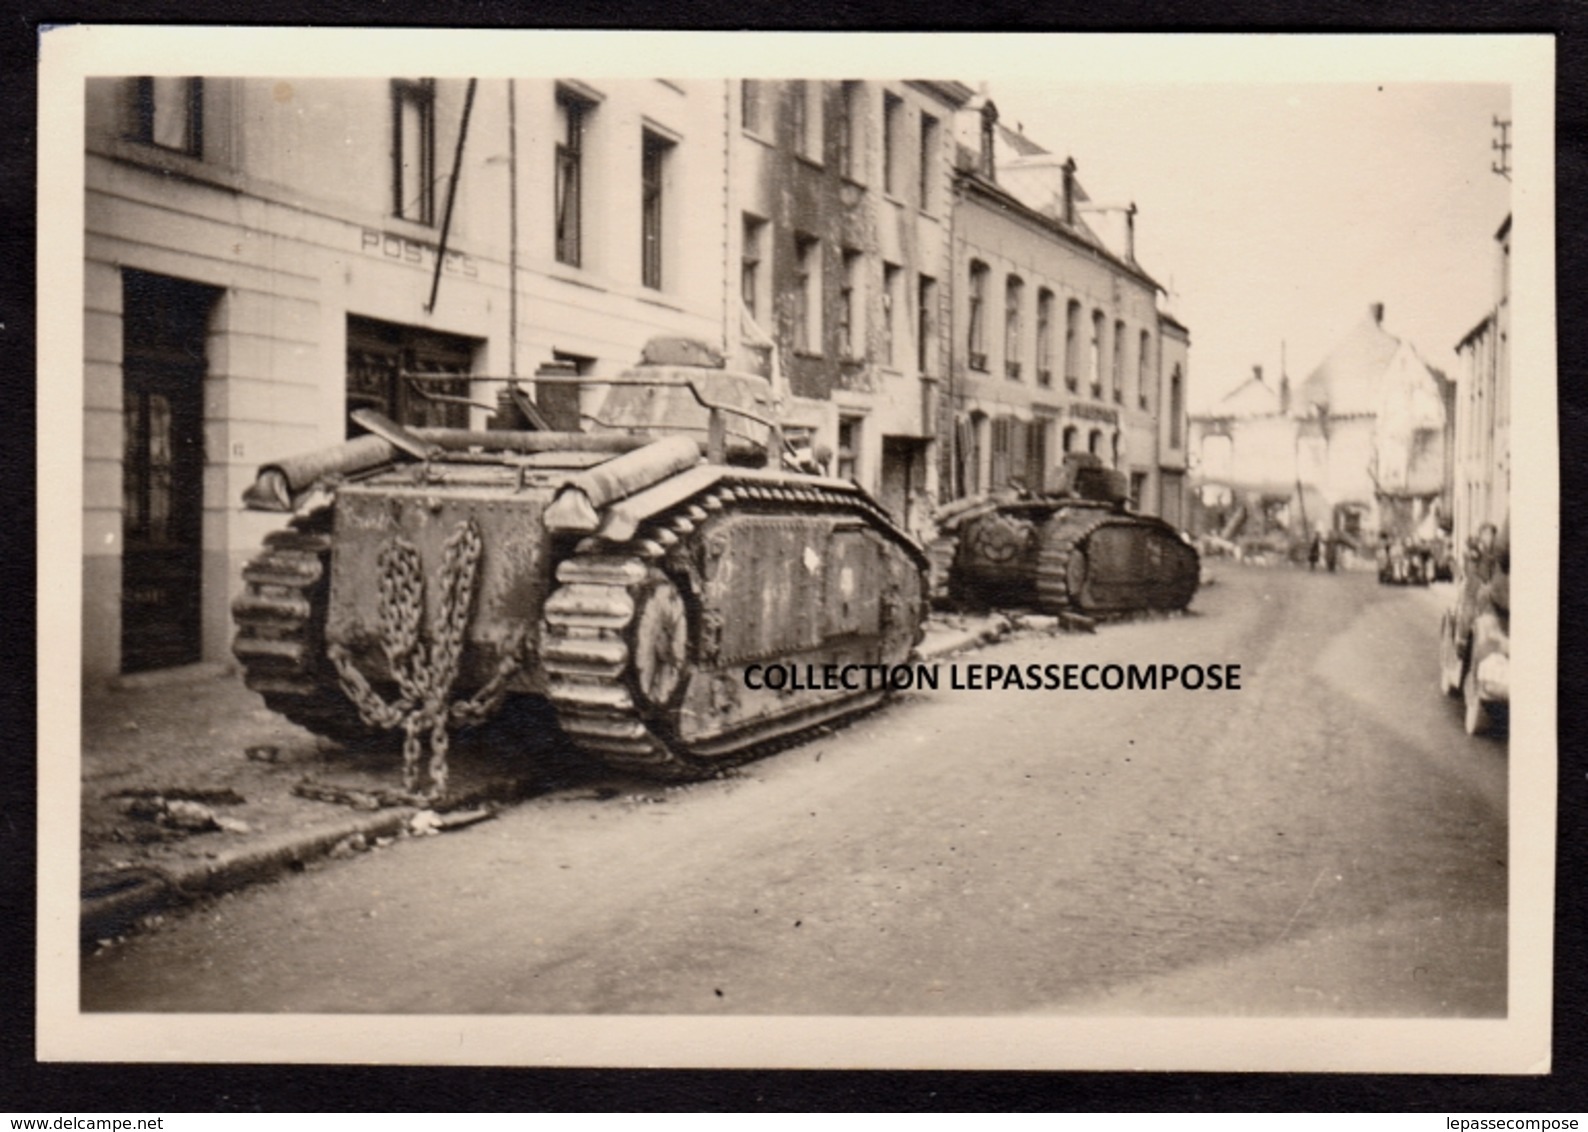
[425,671]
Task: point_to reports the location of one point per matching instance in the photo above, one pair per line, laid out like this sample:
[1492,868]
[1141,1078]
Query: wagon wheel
[660,643]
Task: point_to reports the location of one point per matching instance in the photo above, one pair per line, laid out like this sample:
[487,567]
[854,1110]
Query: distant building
[1058,342]
[1481,469]
[1360,445]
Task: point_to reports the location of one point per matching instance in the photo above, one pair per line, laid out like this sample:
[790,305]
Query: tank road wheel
[659,642]
[1449,657]
[1477,718]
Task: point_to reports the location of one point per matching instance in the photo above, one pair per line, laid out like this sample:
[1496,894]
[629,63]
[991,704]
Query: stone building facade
[1481,462]
[841,193]
[261,256]
[1059,344]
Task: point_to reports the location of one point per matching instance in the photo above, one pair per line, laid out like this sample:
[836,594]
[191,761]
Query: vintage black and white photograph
[784,550]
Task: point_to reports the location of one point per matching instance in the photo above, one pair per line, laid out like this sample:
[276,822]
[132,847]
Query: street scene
[1140,853]
[974,547]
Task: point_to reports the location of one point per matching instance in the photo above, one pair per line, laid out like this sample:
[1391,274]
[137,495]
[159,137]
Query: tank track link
[280,618]
[591,648]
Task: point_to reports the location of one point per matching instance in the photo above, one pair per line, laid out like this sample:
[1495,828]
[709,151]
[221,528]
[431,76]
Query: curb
[123,899]
[958,640]
[158,889]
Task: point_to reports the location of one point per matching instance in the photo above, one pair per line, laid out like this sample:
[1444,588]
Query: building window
[891,277]
[1138,488]
[170,114]
[1118,368]
[414,149]
[1069,438]
[928,161]
[1094,442]
[750,104]
[851,117]
[1143,368]
[925,323]
[1072,346]
[989,126]
[892,132]
[1095,368]
[806,113]
[1045,338]
[751,266]
[1117,449]
[849,448]
[1176,406]
[807,294]
[653,166]
[1014,293]
[976,340]
[851,319]
[571,114]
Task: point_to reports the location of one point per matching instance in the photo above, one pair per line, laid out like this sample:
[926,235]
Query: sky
[1280,212]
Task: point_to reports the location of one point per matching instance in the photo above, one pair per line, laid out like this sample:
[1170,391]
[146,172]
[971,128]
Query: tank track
[1061,563]
[280,618]
[589,644]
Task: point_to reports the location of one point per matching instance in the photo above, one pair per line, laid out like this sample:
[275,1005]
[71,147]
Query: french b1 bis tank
[627,575]
[1079,550]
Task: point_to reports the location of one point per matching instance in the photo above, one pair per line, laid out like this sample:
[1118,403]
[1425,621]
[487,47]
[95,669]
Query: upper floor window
[851,321]
[1143,369]
[572,112]
[1014,293]
[750,104]
[1045,337]
[1119,363]
[1176,405]
[928,162]
[807,294]
[1096,366]
[891,275]
[892,134]
[806,112]
[925,322]
[976,339]
[414,149]
[1072,346]
[851,119]
[169,113]
[752,266]
[654,151]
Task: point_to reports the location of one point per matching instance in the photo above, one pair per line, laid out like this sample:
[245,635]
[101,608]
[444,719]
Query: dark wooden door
[163,367]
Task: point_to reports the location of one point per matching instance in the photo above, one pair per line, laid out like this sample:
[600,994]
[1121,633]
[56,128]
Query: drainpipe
[512,229]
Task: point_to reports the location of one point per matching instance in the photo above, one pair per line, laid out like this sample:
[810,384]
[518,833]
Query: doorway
[165,323]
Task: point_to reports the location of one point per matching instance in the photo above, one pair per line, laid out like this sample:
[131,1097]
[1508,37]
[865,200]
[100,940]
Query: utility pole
[1503,145]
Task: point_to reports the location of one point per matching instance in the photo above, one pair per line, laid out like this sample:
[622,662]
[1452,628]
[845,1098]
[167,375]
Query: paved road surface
[1325,841]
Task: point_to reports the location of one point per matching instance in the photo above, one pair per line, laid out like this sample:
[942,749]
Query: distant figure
[1331,551]
[1314,550]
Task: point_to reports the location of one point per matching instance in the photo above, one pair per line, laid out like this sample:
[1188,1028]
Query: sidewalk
[191,787]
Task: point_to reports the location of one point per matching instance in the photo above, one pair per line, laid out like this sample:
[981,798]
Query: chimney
[1257,372]
[1069,190]
[1130,232]
[1284,393]
[1377,311]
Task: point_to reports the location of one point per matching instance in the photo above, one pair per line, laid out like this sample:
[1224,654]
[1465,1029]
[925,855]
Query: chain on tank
[425,670]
